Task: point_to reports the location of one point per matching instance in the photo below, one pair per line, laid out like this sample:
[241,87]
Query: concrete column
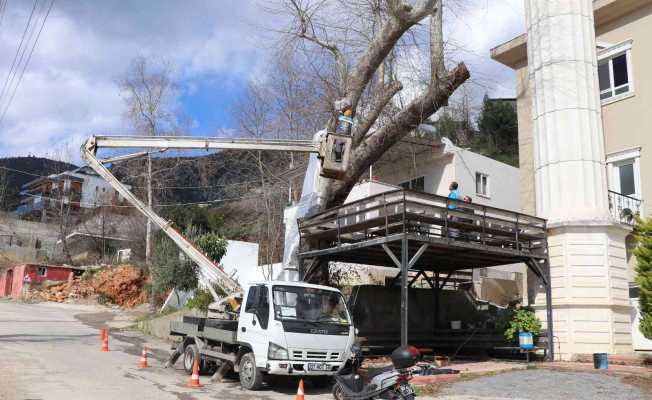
[570,175]
[587,249]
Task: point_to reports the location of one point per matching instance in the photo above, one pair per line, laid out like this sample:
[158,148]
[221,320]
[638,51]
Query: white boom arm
[208,270]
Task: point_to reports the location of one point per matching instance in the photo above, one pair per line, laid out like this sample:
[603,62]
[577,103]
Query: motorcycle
[391,382]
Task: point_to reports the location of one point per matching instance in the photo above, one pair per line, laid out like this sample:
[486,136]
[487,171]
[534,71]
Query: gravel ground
[544,385]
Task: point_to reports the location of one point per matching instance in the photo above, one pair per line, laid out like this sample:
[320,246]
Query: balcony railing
[623,208]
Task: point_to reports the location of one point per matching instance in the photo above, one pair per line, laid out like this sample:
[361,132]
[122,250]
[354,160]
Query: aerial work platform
[421,232]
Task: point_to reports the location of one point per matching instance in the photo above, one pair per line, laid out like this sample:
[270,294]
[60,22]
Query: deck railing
[623,208]
[427,215]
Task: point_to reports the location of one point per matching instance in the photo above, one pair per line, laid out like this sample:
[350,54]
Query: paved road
[541,384]
[51,351]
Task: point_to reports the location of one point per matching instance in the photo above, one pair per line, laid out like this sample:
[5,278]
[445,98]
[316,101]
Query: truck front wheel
[250,377]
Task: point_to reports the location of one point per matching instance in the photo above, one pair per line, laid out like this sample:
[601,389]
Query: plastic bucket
[600,361]
[525,340]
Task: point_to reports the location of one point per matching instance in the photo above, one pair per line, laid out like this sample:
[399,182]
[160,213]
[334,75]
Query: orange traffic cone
[143,358]
[300,391]
[105,340]
[194,379]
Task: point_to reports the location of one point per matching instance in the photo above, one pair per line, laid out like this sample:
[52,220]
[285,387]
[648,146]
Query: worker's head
[453,186]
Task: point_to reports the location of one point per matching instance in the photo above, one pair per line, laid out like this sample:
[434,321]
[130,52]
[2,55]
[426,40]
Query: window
[615,71]
[258,304]
[417,184]
[42,271]
[624,172]
[252,299]
[481,184]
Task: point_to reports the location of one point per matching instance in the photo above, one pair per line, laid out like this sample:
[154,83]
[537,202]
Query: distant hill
[11,180]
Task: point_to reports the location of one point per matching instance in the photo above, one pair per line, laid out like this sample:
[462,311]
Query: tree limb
[383,95]
[375,145]
[402,17]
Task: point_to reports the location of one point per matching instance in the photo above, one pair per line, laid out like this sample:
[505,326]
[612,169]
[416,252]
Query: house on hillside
[80,189]
[15,280]
[623,38]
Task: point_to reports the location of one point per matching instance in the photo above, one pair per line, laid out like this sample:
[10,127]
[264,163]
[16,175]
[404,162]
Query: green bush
[643,253]
[524,320]
[212,245]
[201,300]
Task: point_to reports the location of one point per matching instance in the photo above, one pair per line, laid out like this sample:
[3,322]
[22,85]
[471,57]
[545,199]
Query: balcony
[623,208]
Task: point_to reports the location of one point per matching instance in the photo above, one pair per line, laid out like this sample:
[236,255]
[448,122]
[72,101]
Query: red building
[14,279]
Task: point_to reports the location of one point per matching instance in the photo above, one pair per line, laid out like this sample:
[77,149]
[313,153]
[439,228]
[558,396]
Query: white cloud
[69,90]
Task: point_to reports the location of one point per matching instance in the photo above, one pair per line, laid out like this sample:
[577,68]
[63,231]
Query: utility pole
[148,233]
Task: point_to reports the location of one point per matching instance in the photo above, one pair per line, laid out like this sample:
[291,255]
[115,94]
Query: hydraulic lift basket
[334,153]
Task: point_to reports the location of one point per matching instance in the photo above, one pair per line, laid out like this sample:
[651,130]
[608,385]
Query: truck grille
[315,355]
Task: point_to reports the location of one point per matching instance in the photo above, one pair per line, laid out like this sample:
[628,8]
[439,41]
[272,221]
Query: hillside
[11,180]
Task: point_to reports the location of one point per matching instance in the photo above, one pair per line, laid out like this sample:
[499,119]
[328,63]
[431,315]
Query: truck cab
[293,328]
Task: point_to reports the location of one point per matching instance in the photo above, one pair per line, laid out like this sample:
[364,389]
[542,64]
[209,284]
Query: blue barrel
[525,340]
[600,361]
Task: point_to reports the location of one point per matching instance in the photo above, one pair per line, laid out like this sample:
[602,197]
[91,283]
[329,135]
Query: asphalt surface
[541,384]
[51,351]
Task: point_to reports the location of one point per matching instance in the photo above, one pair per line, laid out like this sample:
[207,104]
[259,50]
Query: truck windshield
[295,303]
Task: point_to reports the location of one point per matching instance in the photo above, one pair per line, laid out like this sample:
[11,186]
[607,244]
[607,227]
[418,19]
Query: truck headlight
[276,352]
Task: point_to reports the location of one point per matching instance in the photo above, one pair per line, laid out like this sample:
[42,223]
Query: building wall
[53,273]
[628,122]
[503,180]
[525,141]
[437,171]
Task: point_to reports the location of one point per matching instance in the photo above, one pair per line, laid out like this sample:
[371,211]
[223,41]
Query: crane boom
[209,271]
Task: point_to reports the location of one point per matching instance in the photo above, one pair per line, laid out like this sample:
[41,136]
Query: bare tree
[149,92]
[356,65]
[4,184]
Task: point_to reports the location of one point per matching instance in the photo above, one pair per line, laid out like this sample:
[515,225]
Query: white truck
[282,327]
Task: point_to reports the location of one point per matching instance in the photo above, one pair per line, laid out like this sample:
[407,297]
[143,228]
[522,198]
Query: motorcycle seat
[374,372]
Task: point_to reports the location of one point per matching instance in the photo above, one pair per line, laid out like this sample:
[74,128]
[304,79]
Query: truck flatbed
[205,328]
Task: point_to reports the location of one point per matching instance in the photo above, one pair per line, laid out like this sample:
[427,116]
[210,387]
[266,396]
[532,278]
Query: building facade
[71,191]
[14,281]
[430,165]
[602,282]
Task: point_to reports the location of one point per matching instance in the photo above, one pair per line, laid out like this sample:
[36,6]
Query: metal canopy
[423,232]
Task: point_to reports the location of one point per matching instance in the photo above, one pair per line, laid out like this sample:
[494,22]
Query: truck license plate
[318,367]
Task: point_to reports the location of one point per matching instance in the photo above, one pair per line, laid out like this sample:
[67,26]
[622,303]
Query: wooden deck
[459,235]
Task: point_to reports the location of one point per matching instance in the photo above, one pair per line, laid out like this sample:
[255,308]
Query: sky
[70,90]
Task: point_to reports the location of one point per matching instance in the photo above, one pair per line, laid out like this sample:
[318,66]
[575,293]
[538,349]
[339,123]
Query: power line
[3,8]
[207,202]
[27,62]
[142,187]
[22,172]
[20,45]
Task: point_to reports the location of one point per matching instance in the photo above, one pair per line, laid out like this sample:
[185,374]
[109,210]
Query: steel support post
[404,290]
[551,336]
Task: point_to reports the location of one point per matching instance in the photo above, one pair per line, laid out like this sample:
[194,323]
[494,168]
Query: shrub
[201,300]
[524,320]
[643,253]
